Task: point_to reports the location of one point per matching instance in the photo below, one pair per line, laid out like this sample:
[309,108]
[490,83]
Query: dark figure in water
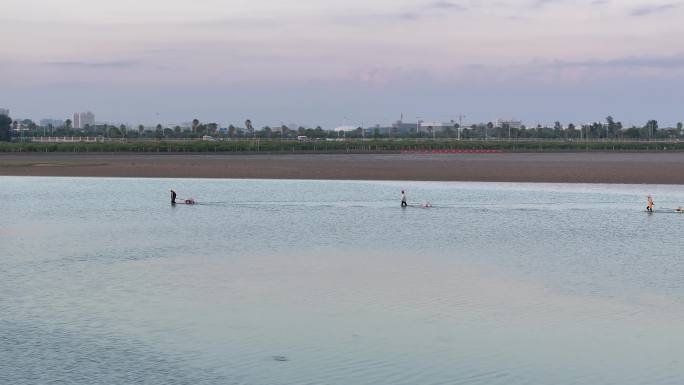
[649,205]
[173,197]
[403,199]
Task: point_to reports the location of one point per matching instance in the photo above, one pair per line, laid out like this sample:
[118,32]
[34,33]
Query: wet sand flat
[594,167]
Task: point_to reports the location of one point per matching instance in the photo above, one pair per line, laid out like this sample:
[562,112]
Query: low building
[512,123]
[404,128]
[381,130]
[432,127]
[47,122]
[345,129]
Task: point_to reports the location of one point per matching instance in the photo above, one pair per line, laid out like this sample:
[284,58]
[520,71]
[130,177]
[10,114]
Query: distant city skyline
[335,63]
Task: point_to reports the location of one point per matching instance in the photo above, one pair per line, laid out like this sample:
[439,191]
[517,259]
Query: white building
[432,127]
[87,119]
[83,119]
[512,123]
[345,129]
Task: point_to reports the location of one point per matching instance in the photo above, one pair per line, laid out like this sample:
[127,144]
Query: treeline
[177,132]
[609,129]
[5,126]
[347,146]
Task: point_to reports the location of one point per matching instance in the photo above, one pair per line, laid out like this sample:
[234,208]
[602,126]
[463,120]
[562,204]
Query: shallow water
[322,282]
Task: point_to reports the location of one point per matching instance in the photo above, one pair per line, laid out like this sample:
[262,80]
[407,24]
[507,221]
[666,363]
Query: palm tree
[248,126]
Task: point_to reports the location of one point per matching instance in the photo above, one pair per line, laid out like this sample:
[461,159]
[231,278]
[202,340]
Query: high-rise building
[4,111]
[87,119]
[83,119]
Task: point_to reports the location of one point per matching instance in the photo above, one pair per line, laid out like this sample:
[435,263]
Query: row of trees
[197,130]
[597,130]
[610,129]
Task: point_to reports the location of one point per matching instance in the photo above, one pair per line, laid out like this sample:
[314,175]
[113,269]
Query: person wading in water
[649,206]
[403,199]
[173,197]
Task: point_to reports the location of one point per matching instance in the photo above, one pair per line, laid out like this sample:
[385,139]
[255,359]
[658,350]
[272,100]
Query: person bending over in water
[403,199]
[649,206]
[173,197]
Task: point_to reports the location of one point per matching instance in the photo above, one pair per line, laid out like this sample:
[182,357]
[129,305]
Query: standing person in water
[649,206]
[403,199]
[173,197]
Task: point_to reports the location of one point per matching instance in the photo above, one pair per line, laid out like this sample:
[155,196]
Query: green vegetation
[607,135]
[5,126]
[610,129]
[346,146]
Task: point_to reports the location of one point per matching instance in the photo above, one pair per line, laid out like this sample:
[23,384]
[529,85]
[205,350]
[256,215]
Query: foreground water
[320,282]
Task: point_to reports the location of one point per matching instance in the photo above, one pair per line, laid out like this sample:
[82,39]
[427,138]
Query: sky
[334,62]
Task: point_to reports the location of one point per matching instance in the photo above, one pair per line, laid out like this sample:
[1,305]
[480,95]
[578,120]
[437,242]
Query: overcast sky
[340,62]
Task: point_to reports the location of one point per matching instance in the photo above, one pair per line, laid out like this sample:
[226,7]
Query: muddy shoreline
[580,167]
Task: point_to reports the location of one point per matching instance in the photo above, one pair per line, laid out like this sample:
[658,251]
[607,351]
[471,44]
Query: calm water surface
[321,282]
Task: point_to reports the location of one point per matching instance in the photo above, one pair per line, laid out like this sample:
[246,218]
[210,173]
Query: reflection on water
[296,282]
